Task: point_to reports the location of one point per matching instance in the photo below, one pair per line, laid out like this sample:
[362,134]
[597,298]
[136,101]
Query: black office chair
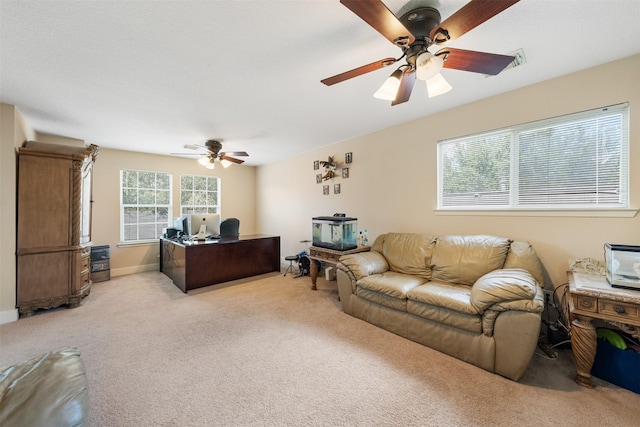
[229,227]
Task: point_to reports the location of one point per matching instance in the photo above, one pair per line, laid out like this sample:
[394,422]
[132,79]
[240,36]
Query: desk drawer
[619,309]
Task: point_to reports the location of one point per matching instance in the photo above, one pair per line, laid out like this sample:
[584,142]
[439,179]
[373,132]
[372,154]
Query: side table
[329,256]
[591,297]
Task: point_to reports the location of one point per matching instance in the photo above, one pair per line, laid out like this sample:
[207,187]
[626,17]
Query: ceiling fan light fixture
[207,162]
[389,89]
[428,65]
[225,163]
[437,85]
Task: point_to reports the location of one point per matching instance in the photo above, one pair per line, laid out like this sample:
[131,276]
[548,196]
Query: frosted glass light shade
[206,162]
[428,65]
[437,85]
[389,89]
[225,163]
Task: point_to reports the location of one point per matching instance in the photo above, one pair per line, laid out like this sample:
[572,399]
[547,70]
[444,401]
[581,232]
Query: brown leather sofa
[48,390]
[477,298]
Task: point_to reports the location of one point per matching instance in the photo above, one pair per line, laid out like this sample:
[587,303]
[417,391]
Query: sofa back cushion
[407,253]
[464,259]
[522,255]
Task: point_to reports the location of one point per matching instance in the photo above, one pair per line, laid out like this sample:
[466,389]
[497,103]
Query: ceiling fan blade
[358,71]
[233,153]
[476,62]
[406,86]
[376,14]
[467,18]
[231,159]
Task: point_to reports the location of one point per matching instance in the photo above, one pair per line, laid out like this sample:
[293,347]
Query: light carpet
[269,351]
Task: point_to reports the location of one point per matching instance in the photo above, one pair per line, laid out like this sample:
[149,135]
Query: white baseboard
[8,316]
[136,269]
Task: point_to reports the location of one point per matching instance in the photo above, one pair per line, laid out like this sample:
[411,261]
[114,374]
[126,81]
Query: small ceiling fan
[210,152]
[414,33]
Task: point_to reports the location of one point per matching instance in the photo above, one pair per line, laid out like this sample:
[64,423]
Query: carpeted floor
[271,352]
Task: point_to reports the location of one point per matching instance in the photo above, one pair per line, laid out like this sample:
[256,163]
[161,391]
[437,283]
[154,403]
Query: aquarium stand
[329,256]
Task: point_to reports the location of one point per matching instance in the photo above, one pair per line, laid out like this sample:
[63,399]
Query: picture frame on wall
[336,188]
[325,189]
[316,165]
[318,178]
[348,158]
[345,172]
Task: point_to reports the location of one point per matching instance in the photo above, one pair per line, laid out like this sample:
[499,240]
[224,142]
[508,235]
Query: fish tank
[623,265]
[335,232]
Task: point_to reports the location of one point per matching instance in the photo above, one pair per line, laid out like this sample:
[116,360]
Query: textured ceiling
[152,76]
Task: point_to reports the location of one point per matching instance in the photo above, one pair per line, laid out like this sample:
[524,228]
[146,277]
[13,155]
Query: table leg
[583,344]
[313,271]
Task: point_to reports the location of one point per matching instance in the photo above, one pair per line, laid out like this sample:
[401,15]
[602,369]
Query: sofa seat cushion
[389,288]
[446,303]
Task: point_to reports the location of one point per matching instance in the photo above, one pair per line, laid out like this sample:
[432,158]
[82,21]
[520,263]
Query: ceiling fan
[415,32]
[210,152]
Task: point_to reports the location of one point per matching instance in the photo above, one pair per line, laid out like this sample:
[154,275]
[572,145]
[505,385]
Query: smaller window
[199,194]
[145,204]
[577,161]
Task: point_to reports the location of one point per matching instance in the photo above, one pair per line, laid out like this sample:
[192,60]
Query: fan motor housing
[421,21]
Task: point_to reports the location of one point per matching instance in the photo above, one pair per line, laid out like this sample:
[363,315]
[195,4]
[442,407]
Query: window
[199,194]
[574,161]
[145,204]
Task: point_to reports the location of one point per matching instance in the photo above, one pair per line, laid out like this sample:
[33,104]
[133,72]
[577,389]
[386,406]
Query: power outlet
[548,298]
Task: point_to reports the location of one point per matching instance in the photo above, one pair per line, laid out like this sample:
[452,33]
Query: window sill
[587,213]
[138,243]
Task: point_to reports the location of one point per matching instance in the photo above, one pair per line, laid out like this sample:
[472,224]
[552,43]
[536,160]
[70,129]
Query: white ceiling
[151,76]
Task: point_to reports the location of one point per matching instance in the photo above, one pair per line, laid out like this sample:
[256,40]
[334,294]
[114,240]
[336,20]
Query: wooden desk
[194,264]
[330,256]
[591,297]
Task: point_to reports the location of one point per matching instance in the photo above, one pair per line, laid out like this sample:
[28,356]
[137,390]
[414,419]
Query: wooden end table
[330,256]
[591,297]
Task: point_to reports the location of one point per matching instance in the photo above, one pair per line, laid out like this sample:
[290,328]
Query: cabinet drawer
[619,309]
[586,303]
[84,264]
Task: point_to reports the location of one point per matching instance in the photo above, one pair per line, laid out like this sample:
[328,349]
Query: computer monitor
[212,221]
[182,225]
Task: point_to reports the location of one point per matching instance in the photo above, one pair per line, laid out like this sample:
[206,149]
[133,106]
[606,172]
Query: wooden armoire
[54,225]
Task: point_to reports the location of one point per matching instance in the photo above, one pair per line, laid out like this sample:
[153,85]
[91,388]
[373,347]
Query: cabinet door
[85,203]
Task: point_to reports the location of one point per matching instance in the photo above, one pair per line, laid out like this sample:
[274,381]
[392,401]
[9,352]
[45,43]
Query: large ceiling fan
[415,32]
[210,152]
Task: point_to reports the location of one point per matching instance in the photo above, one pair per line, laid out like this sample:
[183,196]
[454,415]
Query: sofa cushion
[409,253]
[445,316]
[48,390]
[388,289]
[463,259]
[446,295]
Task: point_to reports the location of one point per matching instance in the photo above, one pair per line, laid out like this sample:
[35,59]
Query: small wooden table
[330,256]
[593,298]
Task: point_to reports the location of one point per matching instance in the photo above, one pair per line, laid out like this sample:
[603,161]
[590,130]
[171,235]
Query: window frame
[123,206]
[512,207]
[193,208]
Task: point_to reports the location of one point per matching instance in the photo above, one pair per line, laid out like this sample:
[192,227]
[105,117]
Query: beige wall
[237,200]
[392,183]
[14,130]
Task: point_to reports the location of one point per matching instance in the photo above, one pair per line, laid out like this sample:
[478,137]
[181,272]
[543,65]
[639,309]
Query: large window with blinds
[145,204]
[577,161]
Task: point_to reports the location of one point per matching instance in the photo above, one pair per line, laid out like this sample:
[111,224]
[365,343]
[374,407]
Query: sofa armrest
[363,264]
[507,289]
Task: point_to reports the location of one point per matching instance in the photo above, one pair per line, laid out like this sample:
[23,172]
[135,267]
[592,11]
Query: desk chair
[229,227]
